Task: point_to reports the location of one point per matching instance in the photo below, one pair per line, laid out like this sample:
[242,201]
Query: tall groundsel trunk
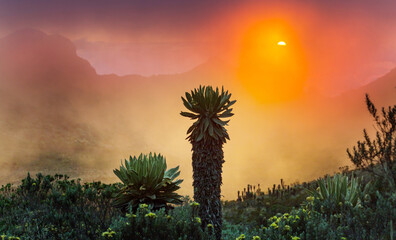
[207,135]
[207,162]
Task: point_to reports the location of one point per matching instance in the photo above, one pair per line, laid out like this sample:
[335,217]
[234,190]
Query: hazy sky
[331,46]
[345,43]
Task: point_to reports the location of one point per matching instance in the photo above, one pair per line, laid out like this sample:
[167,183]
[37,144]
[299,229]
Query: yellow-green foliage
[5,237]
[54,207]
[180,223]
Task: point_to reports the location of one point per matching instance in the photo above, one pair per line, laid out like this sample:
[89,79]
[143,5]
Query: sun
[268,70]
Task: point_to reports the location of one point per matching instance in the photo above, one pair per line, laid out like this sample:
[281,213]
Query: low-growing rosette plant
[145,180]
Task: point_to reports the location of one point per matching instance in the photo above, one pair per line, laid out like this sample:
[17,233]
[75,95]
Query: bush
[240,231]
[54,207]
[255,211]
[378,156]
[317,220]
[180,223]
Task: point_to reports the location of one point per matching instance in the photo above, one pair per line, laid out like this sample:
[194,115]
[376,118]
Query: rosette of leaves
[340,189]
[145,179]
[209,108]
[207,135]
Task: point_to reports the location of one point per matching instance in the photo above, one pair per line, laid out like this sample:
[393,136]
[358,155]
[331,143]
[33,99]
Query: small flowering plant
[161,224]
[130,215]
[195,208]
[143,206]
[109,234]
[210,226]
[241,237]
[150,215]
[194,204]
[288,224]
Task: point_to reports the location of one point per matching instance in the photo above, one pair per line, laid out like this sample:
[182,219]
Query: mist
[59,116]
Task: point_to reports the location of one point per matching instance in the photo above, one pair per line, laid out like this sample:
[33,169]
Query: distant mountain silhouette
[45,69]
[382,92]
[32,53]
[32,57]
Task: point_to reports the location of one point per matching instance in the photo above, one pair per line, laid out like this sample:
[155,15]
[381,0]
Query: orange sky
[344,44]
[331,47]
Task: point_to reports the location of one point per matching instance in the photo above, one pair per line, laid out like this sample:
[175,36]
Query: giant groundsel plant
[207,135]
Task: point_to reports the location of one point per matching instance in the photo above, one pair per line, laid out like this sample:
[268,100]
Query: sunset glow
[97,81]
[270,73]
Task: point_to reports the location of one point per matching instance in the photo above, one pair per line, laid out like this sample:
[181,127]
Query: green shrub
[54,207]
[180,223]
[378,155]
[370,220]
[254,212]
[240,231]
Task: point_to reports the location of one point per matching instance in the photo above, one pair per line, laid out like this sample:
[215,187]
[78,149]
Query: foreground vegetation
[55,207]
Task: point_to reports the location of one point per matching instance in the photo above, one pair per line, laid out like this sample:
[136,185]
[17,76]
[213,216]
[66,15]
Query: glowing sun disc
[281,43]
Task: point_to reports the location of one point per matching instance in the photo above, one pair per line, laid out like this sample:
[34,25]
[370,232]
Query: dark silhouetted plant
[207,136]
[378,155]
[146,180]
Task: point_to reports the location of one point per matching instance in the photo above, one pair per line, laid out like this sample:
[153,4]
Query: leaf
[224,99]
[227,113]
[200,136]
[187,104]
[218,132]
[189,98]
[206,124]
[169,173]
[190,115]
[230,104]
[220,122]
[211,130]
[190,129]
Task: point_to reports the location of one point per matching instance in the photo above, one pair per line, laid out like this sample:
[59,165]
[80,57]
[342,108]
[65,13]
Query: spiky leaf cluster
[340,189]
[146,180]
[208,107]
